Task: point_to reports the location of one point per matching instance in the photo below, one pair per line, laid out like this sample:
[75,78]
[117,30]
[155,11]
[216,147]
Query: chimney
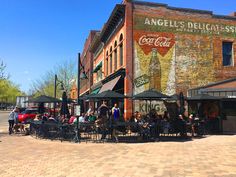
[233,14]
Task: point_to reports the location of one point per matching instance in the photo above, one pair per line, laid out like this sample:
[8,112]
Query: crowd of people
[148,125]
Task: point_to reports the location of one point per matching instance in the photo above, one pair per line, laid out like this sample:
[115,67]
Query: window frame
[224,55]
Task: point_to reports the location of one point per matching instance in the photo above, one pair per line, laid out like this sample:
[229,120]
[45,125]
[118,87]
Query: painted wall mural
[171,61]
[154,66]
[154,55]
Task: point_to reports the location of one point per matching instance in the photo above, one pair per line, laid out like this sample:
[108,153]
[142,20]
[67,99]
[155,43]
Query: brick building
[146,45]
[87,68]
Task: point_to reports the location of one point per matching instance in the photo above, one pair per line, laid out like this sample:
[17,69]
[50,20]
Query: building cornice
[188,10]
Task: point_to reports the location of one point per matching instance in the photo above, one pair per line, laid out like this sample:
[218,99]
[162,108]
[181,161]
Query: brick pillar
[128,58]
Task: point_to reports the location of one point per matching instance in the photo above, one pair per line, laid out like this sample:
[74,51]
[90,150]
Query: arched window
[121,49]
[110,60]
[107,63]
[115,56]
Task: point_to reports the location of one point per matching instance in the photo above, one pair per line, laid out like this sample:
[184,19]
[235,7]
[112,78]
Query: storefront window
[229,108]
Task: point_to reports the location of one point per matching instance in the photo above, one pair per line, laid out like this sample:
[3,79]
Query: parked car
[28,114]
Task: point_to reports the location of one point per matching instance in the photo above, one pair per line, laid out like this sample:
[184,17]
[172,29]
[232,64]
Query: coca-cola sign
[156,41]
[161,41]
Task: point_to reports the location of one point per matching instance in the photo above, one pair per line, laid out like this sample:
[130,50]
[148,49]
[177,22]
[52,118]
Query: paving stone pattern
[212,156]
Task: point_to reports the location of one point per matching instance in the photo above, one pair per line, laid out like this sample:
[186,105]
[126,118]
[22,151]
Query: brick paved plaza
[27,156]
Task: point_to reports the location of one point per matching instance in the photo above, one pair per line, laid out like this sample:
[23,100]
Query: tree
[8,90]
[65,72]
[3,74]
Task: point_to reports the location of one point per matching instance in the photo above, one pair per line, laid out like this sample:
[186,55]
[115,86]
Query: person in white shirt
[82,118]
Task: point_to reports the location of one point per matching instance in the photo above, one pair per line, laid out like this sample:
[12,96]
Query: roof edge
[207,12]
[215,83]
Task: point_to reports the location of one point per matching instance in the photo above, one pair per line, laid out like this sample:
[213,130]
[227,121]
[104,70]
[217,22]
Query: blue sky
[36,35]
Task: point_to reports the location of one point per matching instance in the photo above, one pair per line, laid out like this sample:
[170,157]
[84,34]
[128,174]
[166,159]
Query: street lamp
[81,76]
[55,91]
[78,109]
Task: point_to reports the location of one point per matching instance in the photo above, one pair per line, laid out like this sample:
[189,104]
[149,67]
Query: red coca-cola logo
[157,41]
[161,41]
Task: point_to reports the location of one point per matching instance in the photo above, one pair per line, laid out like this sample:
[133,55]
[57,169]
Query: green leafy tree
[65,72]
[8,90]
[3,74]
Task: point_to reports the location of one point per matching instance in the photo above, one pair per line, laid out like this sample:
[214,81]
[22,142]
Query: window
[115,56]
[111,60]
[107,64]
[121,54]
[111,63]
[227,50]
[115,59]
[99,74]
[121,49]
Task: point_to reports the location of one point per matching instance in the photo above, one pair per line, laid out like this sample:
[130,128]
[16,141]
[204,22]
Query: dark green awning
[97,67]
[95,91]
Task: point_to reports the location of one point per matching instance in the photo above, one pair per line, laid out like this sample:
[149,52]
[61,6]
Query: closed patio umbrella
[181,102]
[64,104]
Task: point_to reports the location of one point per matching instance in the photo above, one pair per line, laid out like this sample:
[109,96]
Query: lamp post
[82,76]
[55,91]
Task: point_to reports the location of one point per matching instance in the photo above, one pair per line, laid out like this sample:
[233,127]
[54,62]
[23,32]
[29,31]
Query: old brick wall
[87,62]
[195,59]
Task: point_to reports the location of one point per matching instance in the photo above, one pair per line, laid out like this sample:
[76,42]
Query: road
[3,120]
[213,156]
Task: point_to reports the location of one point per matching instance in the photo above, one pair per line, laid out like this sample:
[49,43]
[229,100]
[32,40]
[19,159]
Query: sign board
[163,24]
[77,110]
[141,80]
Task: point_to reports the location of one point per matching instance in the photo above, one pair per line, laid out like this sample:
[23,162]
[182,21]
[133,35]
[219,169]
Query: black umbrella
[44,99]
[181,102]
[174,97]
[64,105]
[150,95]
[41,108]
[106,95]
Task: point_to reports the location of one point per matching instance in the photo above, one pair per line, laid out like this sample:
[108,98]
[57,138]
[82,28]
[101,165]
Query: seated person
[37,117]
[45,117]
[135,117]
[72,119]
[92,118]
[191,121]
[51,119]
[82,118]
